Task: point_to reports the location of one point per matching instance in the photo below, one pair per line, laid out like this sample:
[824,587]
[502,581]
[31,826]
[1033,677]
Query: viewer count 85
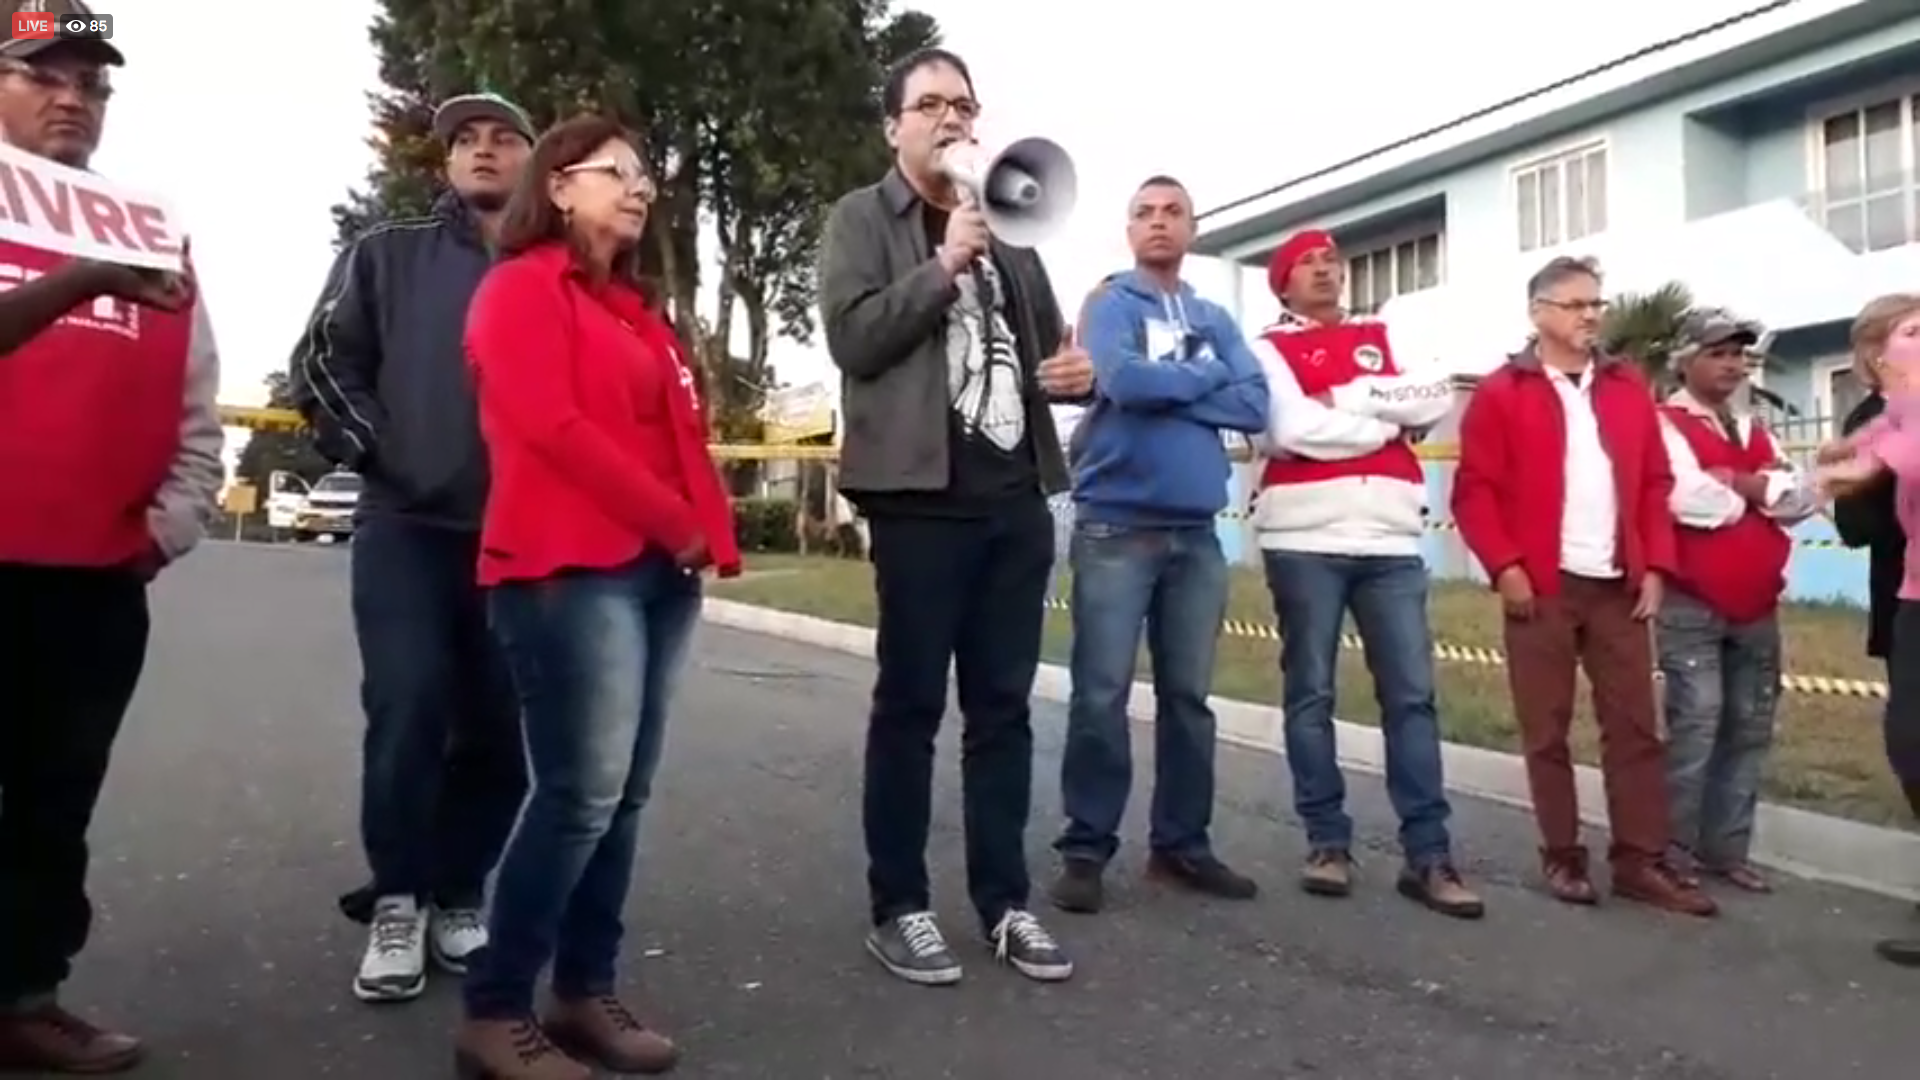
[99,27]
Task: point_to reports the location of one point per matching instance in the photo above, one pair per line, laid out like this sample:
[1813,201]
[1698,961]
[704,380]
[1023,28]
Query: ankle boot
[603,1031]
[511,1050]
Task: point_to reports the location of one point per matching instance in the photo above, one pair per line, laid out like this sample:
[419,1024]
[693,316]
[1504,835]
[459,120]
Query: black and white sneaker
[394,967]
[1020,940]
[912,948]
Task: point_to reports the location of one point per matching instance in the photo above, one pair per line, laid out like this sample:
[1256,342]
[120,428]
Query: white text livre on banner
[54,207]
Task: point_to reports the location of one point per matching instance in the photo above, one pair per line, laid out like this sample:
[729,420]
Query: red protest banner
[50,206]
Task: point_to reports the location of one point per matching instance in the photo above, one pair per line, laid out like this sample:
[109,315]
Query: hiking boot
[49,1039]
[1203,874]
[1568,879]
[394,967]
[603,1031]
[1656,885]
[1439,888]
[454,935]
[1079,888]
[1020,940]
[1329,872]
[1902,951]
[912,947]
[511,1050]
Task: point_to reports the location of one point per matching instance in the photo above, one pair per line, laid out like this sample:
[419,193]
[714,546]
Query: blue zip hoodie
[1171,373]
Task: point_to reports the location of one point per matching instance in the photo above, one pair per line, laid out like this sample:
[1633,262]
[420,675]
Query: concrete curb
[1866,857]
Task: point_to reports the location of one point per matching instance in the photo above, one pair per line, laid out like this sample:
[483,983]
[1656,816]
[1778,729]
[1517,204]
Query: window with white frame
[1864,160]
[1839,392]
[1562,198]
[1379,274]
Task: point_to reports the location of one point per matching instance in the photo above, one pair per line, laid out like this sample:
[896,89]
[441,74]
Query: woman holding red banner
[604,511]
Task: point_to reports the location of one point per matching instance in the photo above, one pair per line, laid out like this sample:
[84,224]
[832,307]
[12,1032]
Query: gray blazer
[883,298]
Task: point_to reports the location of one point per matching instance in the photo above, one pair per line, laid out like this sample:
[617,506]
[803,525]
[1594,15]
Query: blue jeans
[1387,595]
[442,771]
[596,655]
[1722,691]
[1174,583]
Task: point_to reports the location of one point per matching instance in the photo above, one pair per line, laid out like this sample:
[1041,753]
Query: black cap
[27,48]
[456,112]
[1714,326]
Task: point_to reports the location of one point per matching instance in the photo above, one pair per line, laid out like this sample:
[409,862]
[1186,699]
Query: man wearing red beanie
[1340,517]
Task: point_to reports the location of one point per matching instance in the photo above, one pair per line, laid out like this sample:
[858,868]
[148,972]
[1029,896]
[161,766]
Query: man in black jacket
[950,345]
[381,376]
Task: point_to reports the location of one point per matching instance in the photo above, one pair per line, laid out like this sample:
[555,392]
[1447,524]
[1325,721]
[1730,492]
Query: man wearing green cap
[381,376]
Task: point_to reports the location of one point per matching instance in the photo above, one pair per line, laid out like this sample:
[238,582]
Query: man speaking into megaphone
[951,346]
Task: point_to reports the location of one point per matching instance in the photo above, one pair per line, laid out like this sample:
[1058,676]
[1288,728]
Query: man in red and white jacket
[1718,631]
[109,465]
[1340,515]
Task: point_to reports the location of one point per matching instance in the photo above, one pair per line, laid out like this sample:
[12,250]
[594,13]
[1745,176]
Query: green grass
[1827,756]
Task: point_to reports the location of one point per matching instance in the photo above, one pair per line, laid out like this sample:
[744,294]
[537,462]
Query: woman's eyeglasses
[627,172]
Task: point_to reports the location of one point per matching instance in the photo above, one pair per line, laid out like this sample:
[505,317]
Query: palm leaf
[1646,326]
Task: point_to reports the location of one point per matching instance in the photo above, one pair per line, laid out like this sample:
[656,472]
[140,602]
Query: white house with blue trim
[1771,161]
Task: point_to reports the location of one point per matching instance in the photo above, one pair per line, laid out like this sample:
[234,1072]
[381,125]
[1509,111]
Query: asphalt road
[229,827]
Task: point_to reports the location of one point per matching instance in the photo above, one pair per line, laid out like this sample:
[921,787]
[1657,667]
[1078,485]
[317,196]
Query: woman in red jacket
[604,510]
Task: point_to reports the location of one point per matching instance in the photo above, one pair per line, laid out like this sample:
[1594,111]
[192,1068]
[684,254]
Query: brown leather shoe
[603,1031]
[1742,876]
[1440,889]
[511,1050]
[1657,885]
[1329,872]
[1567,877]
[50,1039]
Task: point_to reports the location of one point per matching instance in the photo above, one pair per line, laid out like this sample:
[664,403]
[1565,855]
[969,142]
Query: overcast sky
[253,140]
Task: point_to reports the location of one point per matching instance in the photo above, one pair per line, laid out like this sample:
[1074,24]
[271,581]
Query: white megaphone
[1026,190]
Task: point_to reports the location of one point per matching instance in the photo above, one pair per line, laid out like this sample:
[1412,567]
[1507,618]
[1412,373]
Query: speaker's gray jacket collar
[883,307]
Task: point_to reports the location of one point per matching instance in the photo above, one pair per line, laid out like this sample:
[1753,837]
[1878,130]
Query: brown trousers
[1590,624]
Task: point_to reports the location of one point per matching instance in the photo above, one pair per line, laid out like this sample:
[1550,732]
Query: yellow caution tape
[1819,685]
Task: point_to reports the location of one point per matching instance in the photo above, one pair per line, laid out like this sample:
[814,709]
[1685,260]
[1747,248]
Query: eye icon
[75,25]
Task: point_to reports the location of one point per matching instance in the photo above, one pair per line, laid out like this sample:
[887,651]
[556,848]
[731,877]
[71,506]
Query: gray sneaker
[912,948]
[1020,940]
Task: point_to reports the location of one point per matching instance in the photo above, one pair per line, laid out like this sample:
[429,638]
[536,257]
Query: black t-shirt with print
[989,447]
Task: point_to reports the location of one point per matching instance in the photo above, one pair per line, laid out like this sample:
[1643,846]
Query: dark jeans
[77,643]
[442,770]
[970,592]
[1722,691]
[1903,700]
[1387,595]
[597,656]
[1174,583]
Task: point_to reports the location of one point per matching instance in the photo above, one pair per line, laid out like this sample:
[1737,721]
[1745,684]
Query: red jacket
[596,437]
[1509,491]
[1740,569]
[90,426]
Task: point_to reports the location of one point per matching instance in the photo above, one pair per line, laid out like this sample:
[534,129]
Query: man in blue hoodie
[1172,373]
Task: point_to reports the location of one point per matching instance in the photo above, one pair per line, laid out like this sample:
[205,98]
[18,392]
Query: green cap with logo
[27,48]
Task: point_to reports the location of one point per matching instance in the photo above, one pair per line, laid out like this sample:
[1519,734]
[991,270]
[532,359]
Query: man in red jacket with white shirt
[1718,632]
[1562,495]
[109,464]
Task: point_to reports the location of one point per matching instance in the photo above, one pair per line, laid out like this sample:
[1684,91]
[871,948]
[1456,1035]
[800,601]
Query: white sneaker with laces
[394,967]
[455,935]
[1019,940]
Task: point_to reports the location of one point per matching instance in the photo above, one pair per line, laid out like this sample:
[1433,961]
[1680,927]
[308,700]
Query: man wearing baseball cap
[1718,631]
[94,511]
[381,377]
